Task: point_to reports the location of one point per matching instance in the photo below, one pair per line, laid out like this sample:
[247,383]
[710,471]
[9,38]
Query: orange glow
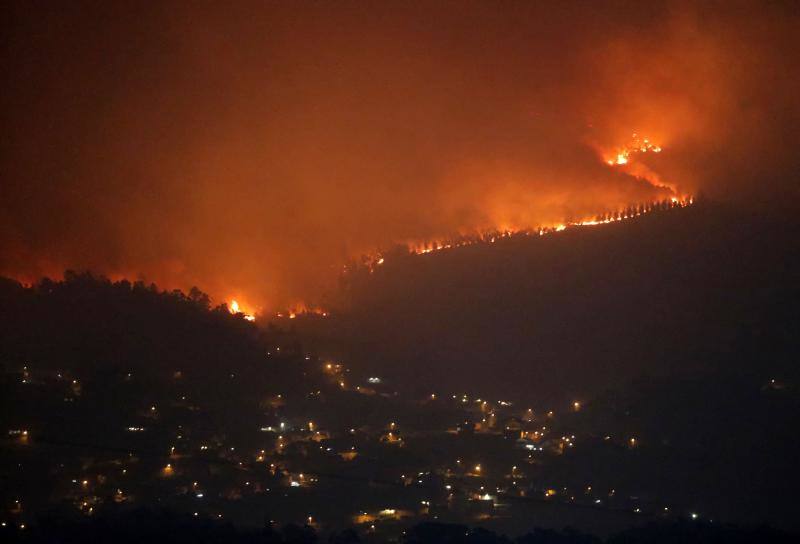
[627,158]
[621,157]
[299,309]
[234,308]
[631,212]
[636,146]
[259,166]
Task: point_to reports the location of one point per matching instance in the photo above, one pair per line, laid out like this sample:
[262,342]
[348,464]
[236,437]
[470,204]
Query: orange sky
[251,149]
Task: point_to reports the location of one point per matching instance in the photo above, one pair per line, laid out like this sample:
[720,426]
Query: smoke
[252,149]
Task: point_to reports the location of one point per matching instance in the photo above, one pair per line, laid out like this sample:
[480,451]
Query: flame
[624,154]
[302,309]
[631,212]
[623,157]
[235,309]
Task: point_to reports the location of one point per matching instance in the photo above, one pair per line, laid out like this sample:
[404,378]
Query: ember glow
[490,237]
[622,157]
[234,308]
[636,146]
[628,158]
[301,309]
[260,165]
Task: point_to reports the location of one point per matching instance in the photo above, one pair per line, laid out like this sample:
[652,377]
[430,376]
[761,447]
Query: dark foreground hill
[88,325]
[564,316]
[678,329]
[116,395]
[169,528]
[88,322]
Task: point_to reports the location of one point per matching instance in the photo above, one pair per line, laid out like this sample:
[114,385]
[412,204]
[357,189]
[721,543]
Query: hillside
[553,318]
[117,395]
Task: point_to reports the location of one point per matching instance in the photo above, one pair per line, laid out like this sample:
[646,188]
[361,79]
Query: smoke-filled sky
[251,148]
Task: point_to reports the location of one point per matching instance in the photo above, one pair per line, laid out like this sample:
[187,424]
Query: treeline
[86,322]
[642,209]
[161,526]
[367,263]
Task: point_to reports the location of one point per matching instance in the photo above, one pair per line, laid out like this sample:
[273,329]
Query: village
[346,452]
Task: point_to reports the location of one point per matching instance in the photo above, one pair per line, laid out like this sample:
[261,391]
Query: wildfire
[619,157]
[631,212]
[636,145]
[302,309]
[623,157]
[234,308]
[296,310]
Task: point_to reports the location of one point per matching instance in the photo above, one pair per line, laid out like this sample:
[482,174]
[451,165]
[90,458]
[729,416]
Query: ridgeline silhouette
[547,319]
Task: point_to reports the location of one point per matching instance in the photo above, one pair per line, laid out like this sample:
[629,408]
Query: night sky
[252,149]
[420,272]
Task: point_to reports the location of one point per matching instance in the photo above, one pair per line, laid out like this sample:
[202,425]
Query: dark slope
[569,314]
[724,445]
[88,323]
